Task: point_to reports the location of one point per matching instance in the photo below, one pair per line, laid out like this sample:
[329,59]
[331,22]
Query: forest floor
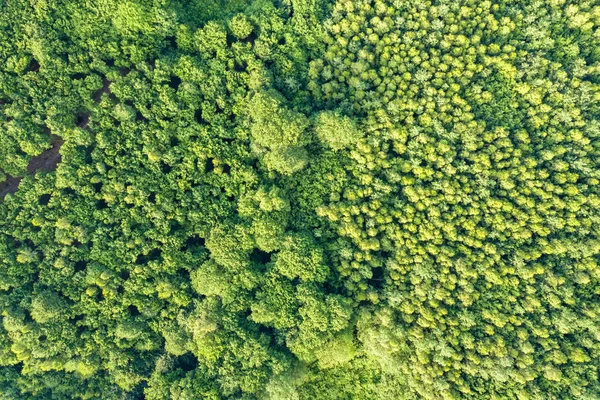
[45,162]
[49,159]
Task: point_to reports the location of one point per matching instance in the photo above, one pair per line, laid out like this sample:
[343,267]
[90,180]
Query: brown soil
[49,159]
[45,162]
[10,185]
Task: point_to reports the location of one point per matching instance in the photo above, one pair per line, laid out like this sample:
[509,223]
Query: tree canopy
[299,199]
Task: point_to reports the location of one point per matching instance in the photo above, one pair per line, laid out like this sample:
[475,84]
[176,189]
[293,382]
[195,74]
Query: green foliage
[240,26]
[278,133]
[299,257]
[335,131]
[47,306]
[357,199]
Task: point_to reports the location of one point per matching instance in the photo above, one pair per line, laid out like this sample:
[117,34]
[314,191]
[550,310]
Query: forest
[299,199]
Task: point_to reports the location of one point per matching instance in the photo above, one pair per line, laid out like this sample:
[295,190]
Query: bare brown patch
[105,89]
[10,185]
[49,159]
[45,162]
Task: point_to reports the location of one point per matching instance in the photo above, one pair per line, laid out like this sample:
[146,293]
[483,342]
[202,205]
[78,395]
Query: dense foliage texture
[299,199]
